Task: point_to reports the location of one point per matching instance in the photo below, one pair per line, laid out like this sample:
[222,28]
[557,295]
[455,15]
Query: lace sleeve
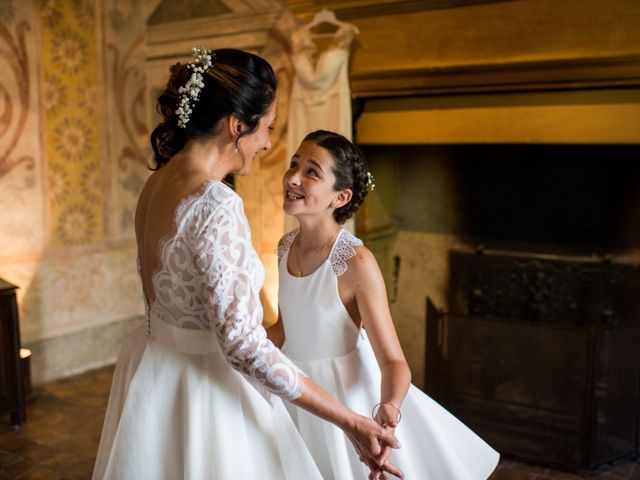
[231,276]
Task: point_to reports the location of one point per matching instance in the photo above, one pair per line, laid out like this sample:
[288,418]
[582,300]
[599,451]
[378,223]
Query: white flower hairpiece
[370,181]
[191,90]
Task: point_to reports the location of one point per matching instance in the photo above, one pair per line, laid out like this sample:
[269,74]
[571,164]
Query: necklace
[299,272]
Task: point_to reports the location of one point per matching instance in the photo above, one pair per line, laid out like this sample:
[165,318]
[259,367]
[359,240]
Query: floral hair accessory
[191,90]
[370,182]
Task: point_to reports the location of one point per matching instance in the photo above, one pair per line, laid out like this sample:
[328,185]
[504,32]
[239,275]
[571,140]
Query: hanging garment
[320,95]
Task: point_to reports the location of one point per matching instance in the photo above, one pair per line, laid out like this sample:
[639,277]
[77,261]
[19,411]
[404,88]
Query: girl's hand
[387,415]
[383,459]
[373,444]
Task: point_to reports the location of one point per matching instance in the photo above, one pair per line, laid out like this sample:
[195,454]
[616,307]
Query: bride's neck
[213,157]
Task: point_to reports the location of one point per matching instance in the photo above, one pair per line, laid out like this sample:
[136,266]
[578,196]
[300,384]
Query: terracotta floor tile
[82,470]
[17,469]
[7,459]
[38,472]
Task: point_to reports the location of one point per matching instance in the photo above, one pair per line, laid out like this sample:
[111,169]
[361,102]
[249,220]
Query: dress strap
[343,249]
[285,243]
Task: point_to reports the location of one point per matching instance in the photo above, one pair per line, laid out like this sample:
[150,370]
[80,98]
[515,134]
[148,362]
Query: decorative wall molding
[241,30]
[579,73]
[434,47]
[352,9]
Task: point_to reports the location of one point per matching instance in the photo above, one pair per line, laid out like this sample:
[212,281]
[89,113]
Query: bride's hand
[373,444]
[383,459]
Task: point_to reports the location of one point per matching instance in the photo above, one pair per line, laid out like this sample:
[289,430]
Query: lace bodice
[342,250]
[210,278]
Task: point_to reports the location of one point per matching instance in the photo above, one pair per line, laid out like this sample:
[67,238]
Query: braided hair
[349,168]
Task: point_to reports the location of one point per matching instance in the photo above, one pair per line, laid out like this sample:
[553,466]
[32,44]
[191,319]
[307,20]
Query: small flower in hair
[190,92]
[370,182]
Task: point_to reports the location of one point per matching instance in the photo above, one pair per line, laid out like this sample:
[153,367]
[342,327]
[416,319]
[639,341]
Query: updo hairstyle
[349,168]
[238,83]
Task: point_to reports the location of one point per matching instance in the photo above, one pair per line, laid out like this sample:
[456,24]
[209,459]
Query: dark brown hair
[238,83]
[349,168]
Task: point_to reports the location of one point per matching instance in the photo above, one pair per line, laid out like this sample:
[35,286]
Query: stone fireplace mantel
[596,116]
[461,46]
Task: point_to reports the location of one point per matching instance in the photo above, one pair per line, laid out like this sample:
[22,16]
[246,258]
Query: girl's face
[252,144]
[309,182]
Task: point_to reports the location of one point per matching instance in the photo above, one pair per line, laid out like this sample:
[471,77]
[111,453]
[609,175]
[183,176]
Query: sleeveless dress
[180,405]
[323,340]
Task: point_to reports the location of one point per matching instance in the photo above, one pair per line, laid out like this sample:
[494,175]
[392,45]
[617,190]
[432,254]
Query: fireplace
[530,252]
[490,137]
[538,353]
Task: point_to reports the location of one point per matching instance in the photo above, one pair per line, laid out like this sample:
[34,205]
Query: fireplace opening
[531,255]
[578,198]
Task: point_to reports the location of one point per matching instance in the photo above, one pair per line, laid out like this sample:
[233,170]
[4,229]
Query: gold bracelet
[377,405]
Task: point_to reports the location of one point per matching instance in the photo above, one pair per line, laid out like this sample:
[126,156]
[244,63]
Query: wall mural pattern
[15,54]
[72,127]
[60,183]
[127,93]
[20,179]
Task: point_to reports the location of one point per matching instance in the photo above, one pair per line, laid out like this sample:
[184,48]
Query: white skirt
[435,445]
[177,410]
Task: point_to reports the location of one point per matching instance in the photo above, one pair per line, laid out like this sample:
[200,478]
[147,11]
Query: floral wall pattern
[71,117]
[20,154]
[72,128]
[128,150]
[75,108]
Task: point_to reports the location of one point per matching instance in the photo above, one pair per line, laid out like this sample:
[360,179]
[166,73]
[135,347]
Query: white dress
[323,340]
[180,405]
[320,94]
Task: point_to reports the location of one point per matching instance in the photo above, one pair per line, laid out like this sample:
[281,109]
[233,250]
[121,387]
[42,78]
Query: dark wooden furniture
[540,355]
[12,400]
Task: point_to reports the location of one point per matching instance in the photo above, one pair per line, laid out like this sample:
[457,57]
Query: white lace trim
[210,278]
[342,250]
[285,243]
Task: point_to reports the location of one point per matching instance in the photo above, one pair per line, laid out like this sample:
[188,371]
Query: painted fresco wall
[75,113]
[71,165]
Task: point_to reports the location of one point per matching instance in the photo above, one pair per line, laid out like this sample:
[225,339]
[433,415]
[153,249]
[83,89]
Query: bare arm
[368,439]
[276,334]
[368,289]
[225,268]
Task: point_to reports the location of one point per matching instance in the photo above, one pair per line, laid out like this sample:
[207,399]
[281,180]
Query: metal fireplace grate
[540,354]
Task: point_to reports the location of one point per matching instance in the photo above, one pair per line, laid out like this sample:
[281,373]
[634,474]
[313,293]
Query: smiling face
[308,184]
[252,144]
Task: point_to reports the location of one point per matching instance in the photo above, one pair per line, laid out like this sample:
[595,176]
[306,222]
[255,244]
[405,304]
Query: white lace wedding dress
[181,405]
[323,340]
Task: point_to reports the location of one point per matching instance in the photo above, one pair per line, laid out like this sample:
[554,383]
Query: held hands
[387,415]
[373,444]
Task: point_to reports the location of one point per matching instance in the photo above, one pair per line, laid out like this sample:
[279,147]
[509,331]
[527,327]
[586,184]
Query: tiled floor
[60,439]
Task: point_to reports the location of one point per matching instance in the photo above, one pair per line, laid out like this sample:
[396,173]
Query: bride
[197,393]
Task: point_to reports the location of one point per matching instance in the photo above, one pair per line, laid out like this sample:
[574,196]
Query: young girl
[338,329]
